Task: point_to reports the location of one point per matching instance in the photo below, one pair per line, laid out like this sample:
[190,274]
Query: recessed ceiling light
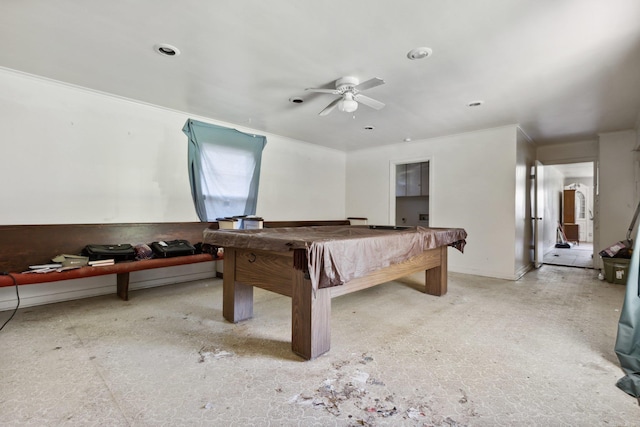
[166,49]
[419,53]
[475,103]
[407,140]
[296,100]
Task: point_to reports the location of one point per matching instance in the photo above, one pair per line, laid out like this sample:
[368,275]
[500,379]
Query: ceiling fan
[349,89]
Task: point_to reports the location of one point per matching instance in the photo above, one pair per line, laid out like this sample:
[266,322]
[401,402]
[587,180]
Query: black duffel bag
[121,252]
[171,248]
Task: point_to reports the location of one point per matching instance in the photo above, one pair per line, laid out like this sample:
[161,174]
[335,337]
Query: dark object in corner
[171,248]
[206,248]
[563,245]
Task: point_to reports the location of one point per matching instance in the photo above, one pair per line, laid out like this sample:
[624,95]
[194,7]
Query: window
[224,170]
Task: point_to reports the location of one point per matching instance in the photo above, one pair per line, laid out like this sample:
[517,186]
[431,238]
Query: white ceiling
[575,170]
[565,70]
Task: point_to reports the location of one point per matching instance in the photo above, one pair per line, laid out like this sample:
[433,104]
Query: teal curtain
[628,339]
[224,169]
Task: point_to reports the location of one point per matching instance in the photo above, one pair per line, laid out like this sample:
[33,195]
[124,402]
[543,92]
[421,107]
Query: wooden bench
[25,245]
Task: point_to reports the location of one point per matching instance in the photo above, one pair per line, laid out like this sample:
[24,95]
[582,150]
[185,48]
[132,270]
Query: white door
[538,211]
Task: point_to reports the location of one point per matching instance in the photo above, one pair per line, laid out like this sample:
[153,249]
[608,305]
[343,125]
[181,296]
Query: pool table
[312,265]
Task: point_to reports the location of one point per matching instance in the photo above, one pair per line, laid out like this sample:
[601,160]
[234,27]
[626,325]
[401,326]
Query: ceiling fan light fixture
[347,104]
[349,89]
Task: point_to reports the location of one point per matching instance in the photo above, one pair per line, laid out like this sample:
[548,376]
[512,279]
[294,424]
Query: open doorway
[412,194]
[571,190]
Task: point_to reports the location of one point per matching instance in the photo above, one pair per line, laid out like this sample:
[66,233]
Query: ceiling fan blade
[331,91]
[329,108]
[369,102]
[369,84]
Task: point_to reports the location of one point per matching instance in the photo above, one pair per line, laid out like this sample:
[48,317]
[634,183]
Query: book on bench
[102,262]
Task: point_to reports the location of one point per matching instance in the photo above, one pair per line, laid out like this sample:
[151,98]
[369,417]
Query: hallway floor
[535,352]
[577,256]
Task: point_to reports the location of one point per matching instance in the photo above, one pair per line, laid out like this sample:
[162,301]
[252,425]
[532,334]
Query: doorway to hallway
[571,211]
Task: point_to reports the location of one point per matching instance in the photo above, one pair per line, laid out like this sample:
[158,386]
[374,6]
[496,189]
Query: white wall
[72,155]
[618,182]
[301,181]
[76,156]
[472,186]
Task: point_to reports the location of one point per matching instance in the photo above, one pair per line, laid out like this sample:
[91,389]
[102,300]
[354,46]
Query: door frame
[392,184]
[595,198]
[539,192]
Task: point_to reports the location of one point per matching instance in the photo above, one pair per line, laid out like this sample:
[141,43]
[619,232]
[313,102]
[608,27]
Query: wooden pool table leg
[436,278]
[237,298]
[311,318]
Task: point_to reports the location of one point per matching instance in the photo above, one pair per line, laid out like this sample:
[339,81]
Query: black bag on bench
[122,252]
[171,248]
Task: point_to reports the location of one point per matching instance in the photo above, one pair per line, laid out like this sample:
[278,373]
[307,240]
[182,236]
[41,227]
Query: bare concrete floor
[538,351]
